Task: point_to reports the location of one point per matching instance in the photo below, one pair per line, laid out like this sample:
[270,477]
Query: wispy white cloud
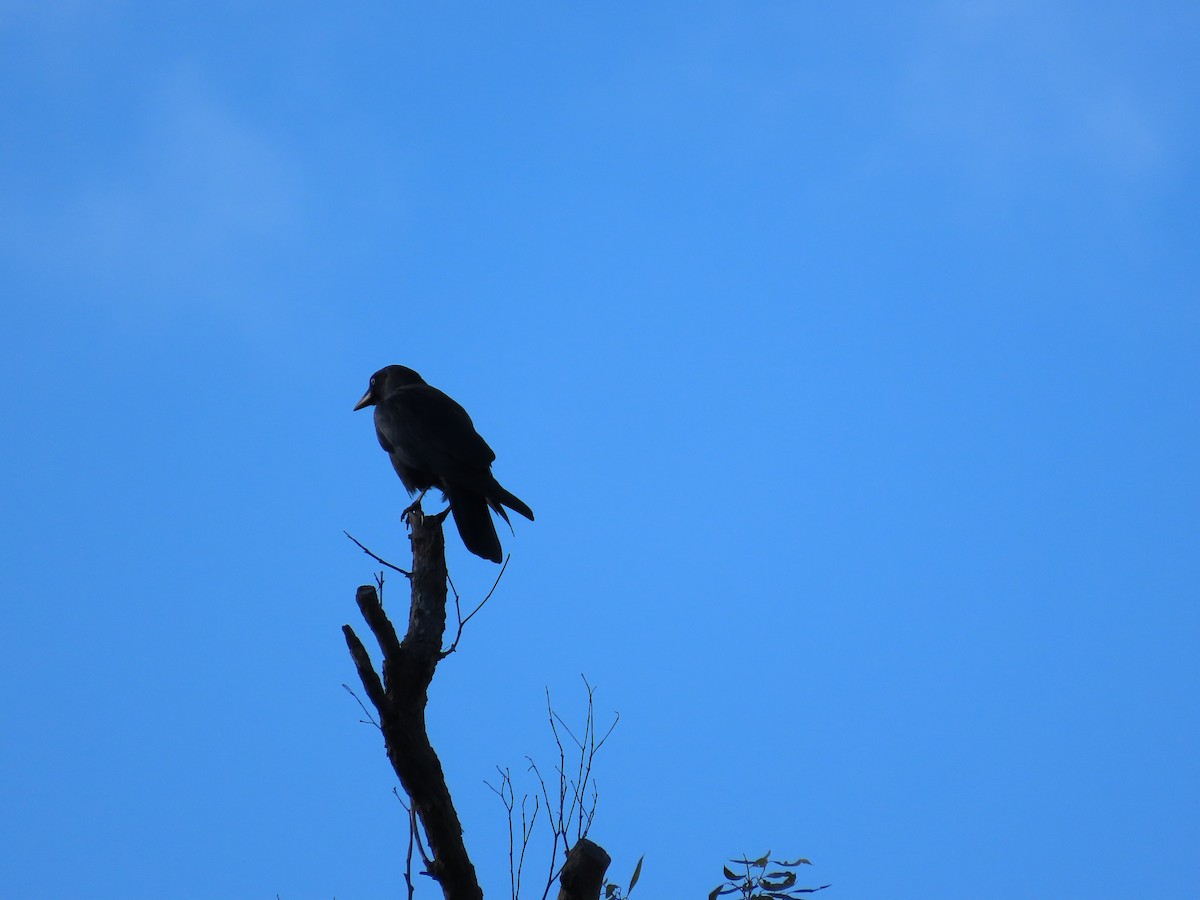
[175,213]
[207,182]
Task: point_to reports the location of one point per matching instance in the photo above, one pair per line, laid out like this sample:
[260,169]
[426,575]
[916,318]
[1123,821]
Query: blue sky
[847,354]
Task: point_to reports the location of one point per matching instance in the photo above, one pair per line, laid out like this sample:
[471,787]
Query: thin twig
[577,797]
[526,834]
[378,559]
[411,831]
[585,761]
[458,609]
[495,584]
[507,797]
[370,719]
[412,816]
[555,828]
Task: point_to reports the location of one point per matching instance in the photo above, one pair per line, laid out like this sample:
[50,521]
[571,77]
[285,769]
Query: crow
[433,443]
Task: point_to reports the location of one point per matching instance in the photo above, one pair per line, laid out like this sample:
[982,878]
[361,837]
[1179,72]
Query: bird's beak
[365,401]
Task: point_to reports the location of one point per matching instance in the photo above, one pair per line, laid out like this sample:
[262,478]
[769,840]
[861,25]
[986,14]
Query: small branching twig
[411,833]
[492,590]
[526,834]
[458,608]
[570,806]
[578,810]
[370,719]
[505,793]
[555,827]
[378,559]
[516,861]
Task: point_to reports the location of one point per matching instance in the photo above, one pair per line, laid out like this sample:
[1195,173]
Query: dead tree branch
[583,872]
[400,696]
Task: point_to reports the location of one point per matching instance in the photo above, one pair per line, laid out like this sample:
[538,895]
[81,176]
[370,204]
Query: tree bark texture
[582,874]
[400,697]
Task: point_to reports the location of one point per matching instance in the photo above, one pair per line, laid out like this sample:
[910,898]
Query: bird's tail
[475,526]
[498,498]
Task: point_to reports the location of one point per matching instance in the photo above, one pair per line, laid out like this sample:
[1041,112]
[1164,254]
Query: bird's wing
[430,432]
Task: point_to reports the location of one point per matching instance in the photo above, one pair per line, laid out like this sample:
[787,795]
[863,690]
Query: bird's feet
[413,509]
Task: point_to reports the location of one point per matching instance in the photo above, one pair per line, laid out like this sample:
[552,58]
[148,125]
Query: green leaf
[715,893]
[637,873]
[732,876]
[789,878]
[609,890]
[761,862]
[792,865]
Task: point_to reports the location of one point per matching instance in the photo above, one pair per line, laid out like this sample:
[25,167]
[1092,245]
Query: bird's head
[385,381]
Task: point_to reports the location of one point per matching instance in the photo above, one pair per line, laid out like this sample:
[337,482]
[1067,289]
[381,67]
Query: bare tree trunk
[401,695]
[582,874]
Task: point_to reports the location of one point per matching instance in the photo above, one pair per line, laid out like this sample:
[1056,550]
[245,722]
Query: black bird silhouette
[433,443]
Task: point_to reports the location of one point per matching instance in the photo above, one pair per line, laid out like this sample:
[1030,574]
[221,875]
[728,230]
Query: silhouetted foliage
[756,883]
[613,891]
[566,800]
